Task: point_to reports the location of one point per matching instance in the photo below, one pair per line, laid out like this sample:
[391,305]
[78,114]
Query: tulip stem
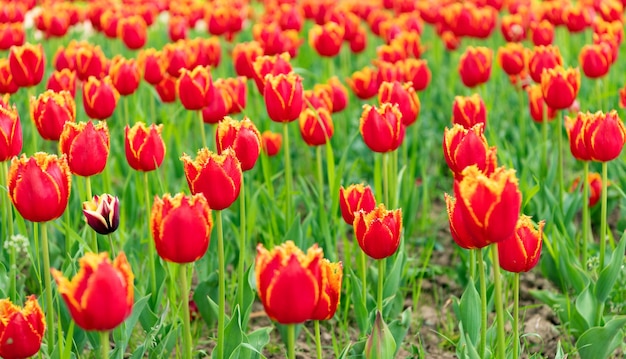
[151,250]
[603,211]
[586,238]
[291,341]
[105,345]
[363,274]
[497,283]
[287,176]
[559,167]
[184,287]
[322,211]
[204,144]
[9,219]
[483,301]
[242,244]
[318,340]
[126,112]
[516,316]
[544,146]
[92,233]
[472,264]
[386,179]
[522,121]
[48,286]
[221,286]
[381,279]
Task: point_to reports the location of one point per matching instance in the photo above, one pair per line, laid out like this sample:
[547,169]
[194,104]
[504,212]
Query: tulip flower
[237,89]
[218,177]
[594,60]
[64,80]
[144,146]
[181,227]
[166,89]
[382,128]
[388,71]
[542,58]
[86,147]
[10,133]
[537,105]
[358,43]
[287,281]
[378,231]
[404,96]
[11,34]
[604,136]
[595,187]
[316,126]
[21,329]
[577,17]
[7,84]
[153,65]
[133,31]
[513,28]
[27,63]
[512,58]
[99,98]
[125,75]
[244,54]
[102,213]
[330,278]
[101,295]
[339,94]
[542,33]
[364,83]
[271,142]
[465,147]
[326,39]
[177,57]
[475,66]
[416,72]
[469,111]
[486,207]
[560,86]
[221,102]
[243,137]
[283,96]
[194,88]
[90,61]
[50,111]
[355,198]
[39,186]
[521,252]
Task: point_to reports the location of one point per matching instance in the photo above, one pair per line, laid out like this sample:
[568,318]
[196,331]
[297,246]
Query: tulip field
[312,179]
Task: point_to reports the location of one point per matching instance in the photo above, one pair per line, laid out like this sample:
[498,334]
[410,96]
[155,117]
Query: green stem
[184,286]
[385,170]
[151,249]
[92,233]
[221,285]
[544,144]
[242,245]
[586,237]
[472,264]
[363,274]
[48,286]
[559,168]
[105,345]
[111,248]
[323,215]
[153,107]
[318,340]
[381,280]
[203,134]
[126,112]
[497,283]
[8,212]
[603,211]
[516,316]
[291,341]
[288,178]
[521,121]
[483,302]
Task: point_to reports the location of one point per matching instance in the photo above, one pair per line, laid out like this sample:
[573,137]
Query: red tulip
[144,146]
[21,329]
[469,111]
[243,137]
[283,96]
[378,231]
[560,86]
[86,147]
[402,95]
[466,147]
[10,133]
[316,126]
[125,75]
[99,98]
[271,142]
[27,63]
[194,88]
[50,111]
[355,198]
[382,128]
[475,66]
[521,252]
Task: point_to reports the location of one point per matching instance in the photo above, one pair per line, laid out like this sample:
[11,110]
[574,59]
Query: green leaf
[470,312]
[600,342]
[360,303]
[380,344]
[202,297]
[399,328]
[394,276]
[609,274]
[233,335]
[587,307]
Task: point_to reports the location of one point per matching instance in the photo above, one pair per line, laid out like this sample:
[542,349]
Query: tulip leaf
[587,307]
[469,312]
[609,274]
[166,342]
[360,303]
[202,297]
[394,276]
[232,333]
[600,342]
[399,328]
[122,334]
